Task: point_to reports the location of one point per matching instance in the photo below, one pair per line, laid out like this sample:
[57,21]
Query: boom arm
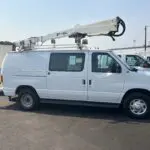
[103,28]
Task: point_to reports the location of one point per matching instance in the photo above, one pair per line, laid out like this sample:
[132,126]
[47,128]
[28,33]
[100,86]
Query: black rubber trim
[80,103]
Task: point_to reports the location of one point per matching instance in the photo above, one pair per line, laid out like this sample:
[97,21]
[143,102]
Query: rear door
[67,76]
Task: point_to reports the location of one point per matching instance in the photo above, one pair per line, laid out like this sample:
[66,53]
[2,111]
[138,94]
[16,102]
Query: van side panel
[26,68]
[70,83]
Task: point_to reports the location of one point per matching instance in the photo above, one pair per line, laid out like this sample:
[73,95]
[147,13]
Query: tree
[5,43]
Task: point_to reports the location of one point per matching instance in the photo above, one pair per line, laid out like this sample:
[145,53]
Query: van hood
[142,69]
[144,72]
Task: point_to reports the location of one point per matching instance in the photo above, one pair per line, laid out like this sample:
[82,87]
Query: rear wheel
[137,105]
[28,99]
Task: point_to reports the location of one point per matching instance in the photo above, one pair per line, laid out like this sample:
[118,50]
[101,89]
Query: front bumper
[1,92]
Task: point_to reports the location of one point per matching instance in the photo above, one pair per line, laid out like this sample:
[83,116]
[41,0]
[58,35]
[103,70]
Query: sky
[21,19]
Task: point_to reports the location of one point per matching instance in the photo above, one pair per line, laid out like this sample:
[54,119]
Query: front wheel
[28,99]
[137,105]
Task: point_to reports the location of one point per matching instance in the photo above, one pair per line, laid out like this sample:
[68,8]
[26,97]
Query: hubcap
[27,100]
[138,106]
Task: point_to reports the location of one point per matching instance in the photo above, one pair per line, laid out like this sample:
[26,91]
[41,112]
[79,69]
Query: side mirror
[115,68]
[118,68]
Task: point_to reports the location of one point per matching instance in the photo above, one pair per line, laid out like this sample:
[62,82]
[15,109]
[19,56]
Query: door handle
[90,82]
[48,73]
[83,82]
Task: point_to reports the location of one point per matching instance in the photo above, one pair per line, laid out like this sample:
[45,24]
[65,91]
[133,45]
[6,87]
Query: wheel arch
[144,91]
[19,88]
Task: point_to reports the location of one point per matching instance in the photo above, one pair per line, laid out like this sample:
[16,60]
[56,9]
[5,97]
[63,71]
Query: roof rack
[108,28]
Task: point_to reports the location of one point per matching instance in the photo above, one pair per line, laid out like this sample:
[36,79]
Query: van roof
[60,51]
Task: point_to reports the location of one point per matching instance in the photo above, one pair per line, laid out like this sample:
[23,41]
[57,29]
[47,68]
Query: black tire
[130,99]
[30,96]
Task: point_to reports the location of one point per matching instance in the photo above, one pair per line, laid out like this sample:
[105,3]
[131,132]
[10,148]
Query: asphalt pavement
[61,127]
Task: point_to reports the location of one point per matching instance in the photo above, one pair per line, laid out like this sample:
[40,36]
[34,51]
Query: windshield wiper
[133,69]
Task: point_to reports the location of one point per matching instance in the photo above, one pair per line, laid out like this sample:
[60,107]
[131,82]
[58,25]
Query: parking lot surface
[59,127]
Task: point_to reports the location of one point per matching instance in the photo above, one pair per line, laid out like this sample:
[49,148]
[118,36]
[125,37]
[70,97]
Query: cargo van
[75,77]
[136,61]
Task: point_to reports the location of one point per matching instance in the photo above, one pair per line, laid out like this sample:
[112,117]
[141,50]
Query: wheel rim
[138,106]
[27,100]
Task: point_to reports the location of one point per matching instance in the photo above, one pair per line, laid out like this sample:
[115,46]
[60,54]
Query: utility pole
[134,44]
[145,45]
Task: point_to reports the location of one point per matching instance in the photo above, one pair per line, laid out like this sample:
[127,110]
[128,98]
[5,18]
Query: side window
[103,62]
[73,62]
[133,60]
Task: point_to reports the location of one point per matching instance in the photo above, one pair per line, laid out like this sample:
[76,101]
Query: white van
[96,78]
[136,61]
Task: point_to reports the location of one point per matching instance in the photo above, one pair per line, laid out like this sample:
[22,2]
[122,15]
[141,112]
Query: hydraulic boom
[103,28]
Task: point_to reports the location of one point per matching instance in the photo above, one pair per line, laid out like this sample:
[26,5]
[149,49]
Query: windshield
[135,60]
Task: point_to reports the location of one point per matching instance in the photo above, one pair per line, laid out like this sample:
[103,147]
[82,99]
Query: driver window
[103,62]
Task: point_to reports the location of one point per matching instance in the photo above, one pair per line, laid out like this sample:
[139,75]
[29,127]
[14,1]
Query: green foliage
[5,43]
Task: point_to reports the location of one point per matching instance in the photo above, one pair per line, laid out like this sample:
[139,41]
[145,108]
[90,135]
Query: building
[3,50]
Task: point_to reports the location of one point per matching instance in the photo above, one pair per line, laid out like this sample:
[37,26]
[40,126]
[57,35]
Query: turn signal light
[1,79]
